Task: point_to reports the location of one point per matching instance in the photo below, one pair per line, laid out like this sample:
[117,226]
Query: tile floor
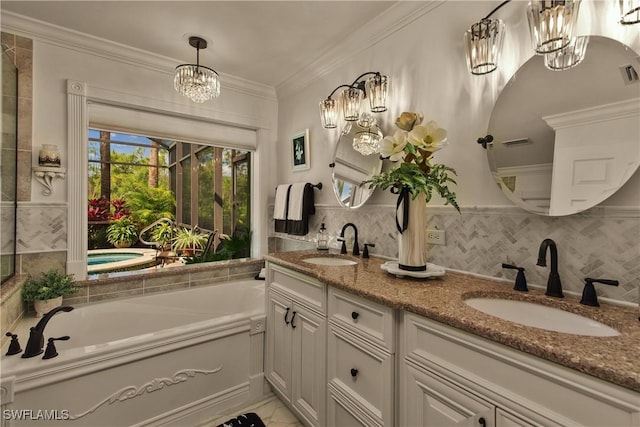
[272,411]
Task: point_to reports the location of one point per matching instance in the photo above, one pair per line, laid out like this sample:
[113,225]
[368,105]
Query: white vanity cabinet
[450,377]
[295,357]
[360,361]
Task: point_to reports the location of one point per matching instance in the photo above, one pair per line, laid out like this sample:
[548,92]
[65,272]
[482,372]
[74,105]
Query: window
[151,178]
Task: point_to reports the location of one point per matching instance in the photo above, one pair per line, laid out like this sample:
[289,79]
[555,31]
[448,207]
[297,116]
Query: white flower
[393,146]
[428,137]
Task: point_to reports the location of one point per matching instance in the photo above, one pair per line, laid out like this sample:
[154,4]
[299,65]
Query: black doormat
[250,419]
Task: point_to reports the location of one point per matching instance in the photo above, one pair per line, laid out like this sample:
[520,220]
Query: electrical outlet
[435,237]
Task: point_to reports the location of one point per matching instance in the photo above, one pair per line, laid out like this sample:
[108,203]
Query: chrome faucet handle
[589,296]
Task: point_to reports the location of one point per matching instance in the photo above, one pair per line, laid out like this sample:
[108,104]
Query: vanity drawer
[363,372]
[303,289]
[366,319]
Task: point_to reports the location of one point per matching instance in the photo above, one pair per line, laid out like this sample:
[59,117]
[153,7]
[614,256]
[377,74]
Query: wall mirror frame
[565,141]
[350,168]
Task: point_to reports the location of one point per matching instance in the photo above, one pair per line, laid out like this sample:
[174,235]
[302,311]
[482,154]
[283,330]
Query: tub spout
[36,336]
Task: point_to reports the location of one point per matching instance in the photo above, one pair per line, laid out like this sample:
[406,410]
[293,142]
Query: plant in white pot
[188,240]
[123,232]
[47,289]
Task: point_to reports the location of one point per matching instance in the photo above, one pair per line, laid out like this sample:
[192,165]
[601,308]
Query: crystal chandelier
[569,56]
[552,23]
[197,82]
[366,141]
[375,88]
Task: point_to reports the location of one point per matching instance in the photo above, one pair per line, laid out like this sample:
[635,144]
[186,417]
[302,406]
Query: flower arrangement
[412,147]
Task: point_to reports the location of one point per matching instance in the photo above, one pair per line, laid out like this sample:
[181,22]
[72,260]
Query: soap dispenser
[322,241]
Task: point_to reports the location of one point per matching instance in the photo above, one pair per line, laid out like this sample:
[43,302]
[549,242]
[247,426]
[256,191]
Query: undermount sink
[326,260]
[541,316]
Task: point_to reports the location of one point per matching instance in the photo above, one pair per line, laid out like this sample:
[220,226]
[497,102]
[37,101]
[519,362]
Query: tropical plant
[122,231]
[98,209]
[413,147]
[162,233]
[149,204]
[48,285]
[189,239]
[120,210]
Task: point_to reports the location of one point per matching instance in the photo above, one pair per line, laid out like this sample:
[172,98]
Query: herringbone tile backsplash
[599,243]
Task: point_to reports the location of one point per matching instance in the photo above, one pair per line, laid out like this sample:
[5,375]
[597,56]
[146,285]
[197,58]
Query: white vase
[412,251]
[44,306]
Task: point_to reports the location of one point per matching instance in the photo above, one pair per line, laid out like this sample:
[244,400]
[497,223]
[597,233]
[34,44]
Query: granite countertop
[614,359]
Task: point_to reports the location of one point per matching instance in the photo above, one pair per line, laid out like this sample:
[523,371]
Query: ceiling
[261,41]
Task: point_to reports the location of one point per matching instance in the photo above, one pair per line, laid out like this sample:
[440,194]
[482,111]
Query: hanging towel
[301,206]
[296,202]
[280,208]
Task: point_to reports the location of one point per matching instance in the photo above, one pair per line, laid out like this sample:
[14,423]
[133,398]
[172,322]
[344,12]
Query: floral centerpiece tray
[431,271]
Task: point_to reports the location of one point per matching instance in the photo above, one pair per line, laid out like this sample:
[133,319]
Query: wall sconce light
[629,12]
[569,56]
[376,87]
[195,81]
[552,23]
[483,43]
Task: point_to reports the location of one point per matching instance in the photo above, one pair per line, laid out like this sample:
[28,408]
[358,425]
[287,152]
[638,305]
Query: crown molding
[395,18]
[81,42]
[600,113]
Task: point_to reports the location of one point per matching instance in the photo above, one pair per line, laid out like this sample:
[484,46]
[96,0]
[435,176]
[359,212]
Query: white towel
[280,204]
[296,198]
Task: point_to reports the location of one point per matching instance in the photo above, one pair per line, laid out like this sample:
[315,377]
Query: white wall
[426,64]
[146,80]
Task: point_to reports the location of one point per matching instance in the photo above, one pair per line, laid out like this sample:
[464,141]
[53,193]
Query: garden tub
[176,358]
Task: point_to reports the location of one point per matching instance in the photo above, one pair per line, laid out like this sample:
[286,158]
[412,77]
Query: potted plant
[162,235]
[122,232]
[187,240]
[47,289]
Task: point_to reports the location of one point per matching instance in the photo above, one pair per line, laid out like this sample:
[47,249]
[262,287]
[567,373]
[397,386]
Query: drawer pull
[354,315]
[354,372]
[482,422]
[286,322]
[293,317]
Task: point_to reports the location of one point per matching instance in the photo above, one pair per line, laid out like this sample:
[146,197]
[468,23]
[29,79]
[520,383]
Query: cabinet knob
[293,317]
[482,422]
[354,315]
[354,372]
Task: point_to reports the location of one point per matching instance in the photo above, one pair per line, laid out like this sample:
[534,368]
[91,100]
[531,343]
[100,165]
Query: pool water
[96,259]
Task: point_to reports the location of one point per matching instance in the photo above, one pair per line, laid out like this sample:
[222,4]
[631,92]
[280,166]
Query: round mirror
[351,167]
[564,141]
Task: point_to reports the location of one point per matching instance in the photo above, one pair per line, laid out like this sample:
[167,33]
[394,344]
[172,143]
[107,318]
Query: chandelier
[367,140]
[197,82]
[375,88]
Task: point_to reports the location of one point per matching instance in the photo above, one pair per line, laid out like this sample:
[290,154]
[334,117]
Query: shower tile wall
[599,243]
[22,49]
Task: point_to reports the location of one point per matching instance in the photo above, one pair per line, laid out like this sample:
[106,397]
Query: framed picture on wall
[300,159]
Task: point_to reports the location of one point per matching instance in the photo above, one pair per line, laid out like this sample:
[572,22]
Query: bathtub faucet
[36,336]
